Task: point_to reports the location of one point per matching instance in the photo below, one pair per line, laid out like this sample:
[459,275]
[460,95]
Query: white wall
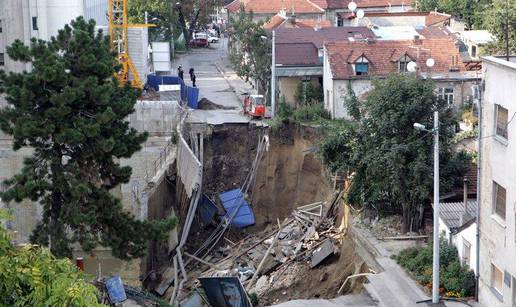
[498,162]
[469,234]
[341,91]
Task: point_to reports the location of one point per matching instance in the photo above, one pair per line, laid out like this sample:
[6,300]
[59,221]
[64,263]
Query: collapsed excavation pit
[288,175]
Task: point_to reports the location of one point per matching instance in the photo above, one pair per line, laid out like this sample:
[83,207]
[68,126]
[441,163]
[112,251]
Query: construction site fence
[189,94]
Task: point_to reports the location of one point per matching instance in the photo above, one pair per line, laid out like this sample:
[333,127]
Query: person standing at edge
[180,72]
[192,76]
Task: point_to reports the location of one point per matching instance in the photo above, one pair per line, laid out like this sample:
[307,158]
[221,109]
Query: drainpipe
[479,171]
[273,75]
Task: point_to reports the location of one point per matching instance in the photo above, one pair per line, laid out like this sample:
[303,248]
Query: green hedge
[455,280]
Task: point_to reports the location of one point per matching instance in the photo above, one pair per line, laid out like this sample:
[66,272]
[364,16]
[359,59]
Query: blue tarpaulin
[231,200]
[206,209]
[188,93]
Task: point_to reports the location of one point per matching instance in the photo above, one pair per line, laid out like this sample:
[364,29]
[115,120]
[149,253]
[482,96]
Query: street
[217,82]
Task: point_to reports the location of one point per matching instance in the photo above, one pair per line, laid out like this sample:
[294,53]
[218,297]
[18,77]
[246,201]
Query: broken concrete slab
[322,252]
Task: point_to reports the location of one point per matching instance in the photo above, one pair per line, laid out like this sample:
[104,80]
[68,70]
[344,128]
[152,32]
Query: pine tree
[71,110]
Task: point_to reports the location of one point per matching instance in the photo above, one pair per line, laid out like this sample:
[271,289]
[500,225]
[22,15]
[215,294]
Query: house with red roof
[350,65]
[388,19]
[299,55]
[334,11]
[265,9]
[281,20]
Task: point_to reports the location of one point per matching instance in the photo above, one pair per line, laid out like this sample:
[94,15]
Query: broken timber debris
[307,236]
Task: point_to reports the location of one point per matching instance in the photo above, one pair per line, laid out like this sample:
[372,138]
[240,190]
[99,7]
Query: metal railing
[160,161]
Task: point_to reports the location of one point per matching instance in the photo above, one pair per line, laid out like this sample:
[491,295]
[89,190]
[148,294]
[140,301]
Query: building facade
[497,284]
[351,65]
[26,19]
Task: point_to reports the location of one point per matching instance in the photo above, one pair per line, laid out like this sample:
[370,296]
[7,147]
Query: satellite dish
[430,62]
[411,66]
[360,14]
[352,6]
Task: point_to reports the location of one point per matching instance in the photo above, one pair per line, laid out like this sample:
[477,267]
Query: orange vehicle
[254,105]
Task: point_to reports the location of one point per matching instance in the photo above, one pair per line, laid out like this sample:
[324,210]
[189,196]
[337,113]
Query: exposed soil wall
[290,174]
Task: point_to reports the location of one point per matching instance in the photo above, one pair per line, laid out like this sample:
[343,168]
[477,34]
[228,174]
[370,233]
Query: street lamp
[435,268]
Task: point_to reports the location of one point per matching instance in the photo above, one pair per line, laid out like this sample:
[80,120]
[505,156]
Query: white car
[213,39]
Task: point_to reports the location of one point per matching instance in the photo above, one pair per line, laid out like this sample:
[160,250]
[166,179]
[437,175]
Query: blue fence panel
[188,93]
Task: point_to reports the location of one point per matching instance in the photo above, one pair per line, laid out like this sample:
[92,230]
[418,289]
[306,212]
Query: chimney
[417,40]
[293,19]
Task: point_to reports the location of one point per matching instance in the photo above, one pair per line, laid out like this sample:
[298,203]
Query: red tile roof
[278,21]
[312,23]
[274,6]
[302,54]
[299,46]
[383,56]
[343,4]
[310,35]
[431,18]
[274,22]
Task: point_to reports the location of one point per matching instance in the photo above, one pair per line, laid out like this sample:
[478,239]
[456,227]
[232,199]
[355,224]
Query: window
[320,54]
[466,252]
[501,121]
[340,21]
[35,23]
[1,28]
[362,66]
[402,63]
[2,59]
[473,51]
[496,279]
[446,94]
[499,194]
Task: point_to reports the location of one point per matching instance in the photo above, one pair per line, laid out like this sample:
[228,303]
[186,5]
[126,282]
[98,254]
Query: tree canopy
[391,162]
[31,276]
[159,14]
[72,112]
[500,19]
[250,49]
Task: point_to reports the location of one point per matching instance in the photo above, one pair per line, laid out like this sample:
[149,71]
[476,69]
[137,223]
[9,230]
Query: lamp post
[435,267]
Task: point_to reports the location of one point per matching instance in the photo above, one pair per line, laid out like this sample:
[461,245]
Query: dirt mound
[299,281]
[206,104]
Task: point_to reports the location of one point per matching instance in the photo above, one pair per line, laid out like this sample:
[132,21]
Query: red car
[199,40]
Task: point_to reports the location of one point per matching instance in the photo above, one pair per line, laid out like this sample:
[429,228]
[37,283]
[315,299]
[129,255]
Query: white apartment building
[497,286]
[25,19]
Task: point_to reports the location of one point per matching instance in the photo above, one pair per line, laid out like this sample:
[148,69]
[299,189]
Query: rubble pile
[275,258]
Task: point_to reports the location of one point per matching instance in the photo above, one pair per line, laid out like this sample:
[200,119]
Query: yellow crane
[118,27]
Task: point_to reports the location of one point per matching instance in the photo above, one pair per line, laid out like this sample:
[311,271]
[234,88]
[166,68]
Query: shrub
[456,280]
[311,113]
[285,111]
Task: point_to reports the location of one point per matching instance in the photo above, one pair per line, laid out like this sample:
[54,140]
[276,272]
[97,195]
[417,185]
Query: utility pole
[273,75]
[507,54]
[435,269]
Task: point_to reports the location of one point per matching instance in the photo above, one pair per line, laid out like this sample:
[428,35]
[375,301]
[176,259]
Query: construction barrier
[189,94]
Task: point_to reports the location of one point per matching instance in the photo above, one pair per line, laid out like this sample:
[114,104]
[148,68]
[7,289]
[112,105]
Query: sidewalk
[392,287]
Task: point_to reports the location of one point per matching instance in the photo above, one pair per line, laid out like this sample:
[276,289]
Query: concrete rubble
[274,257]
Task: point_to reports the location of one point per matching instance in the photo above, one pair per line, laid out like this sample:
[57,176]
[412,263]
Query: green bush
[285,111]
[311,113]
[456,280]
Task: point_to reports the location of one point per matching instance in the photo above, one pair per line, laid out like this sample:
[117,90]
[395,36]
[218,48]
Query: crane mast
[118,28]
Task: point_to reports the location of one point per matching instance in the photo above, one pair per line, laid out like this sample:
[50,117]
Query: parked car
[199,40]
[213,39]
